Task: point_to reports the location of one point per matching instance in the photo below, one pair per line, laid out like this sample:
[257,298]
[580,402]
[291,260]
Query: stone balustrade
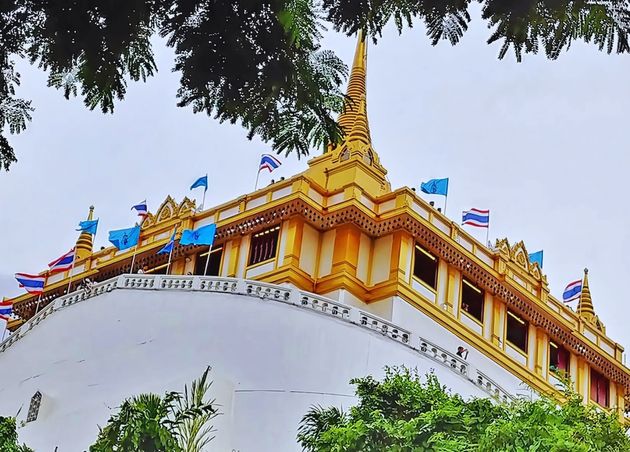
[265,291]
[492,388]
[444,357]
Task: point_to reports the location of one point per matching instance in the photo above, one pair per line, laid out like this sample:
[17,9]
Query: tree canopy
[9,437]
[259,63]
[404,413]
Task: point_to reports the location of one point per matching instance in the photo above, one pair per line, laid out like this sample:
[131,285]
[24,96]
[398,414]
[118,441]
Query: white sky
[543,144]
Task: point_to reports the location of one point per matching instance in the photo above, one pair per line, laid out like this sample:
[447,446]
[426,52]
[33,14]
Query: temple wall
[271,362]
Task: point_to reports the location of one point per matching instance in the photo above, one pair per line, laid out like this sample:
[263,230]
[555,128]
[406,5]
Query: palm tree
[315,422]
[169,423]
[193,432]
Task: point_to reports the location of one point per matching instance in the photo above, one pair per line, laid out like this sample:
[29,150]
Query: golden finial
[355,106]
[84,242]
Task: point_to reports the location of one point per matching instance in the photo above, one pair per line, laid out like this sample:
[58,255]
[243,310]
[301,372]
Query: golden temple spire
[354,120]
[353,160]
[585,307]
[84,242]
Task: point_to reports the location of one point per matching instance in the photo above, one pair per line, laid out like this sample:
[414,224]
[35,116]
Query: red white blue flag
[3,326]
[476,217]
[141,208]
[572,291]
[63,263]
[33,284]
[268,162]
[6,308]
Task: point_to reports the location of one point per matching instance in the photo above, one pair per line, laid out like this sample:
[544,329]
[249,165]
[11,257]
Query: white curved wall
[270,360]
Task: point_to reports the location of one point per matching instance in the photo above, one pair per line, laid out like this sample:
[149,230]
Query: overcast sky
[542,144]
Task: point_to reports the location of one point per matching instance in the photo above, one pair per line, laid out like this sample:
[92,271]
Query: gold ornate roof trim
[169,210]
[518,254]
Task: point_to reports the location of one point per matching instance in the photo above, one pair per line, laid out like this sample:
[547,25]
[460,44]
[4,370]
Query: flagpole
[170,254]
[94,236]
[133,258]
[205,189]
[257,176]
[38,300]
[446,196]
[488,235]
[40,295]
[445,201]
[205,270]
[74,258]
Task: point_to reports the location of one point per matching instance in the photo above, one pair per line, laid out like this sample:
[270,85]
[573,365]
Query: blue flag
[125,238]
[435,187]
[169,246]
[201,236]
[88,226]
[201,182]
[537,257]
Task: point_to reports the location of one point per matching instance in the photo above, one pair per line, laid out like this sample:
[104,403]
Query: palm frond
[316,421]
[194,413]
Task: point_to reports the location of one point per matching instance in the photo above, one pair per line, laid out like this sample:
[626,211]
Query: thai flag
[476,217]
[141,208]
[6,308]
[572,291]
[268,162]
[63,263]
[3,326]
[32,283]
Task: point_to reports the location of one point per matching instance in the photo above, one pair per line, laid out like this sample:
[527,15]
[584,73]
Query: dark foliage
[403,413]
[258,63]
[9,437]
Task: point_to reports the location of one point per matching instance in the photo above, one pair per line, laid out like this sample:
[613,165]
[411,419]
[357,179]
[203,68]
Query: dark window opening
[214,264]
[558,358]
[33,408]
[599,388]
[517,331]
[472,300]
[264,245]
[425,266]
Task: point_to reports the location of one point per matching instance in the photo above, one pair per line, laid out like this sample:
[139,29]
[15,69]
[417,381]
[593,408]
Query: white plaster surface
[271,362]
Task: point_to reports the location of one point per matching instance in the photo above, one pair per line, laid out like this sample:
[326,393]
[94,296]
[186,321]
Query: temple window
[264,245]
[517,331]
[472,300]
[214,264]
[599,388]
[425,266]
[558,358]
